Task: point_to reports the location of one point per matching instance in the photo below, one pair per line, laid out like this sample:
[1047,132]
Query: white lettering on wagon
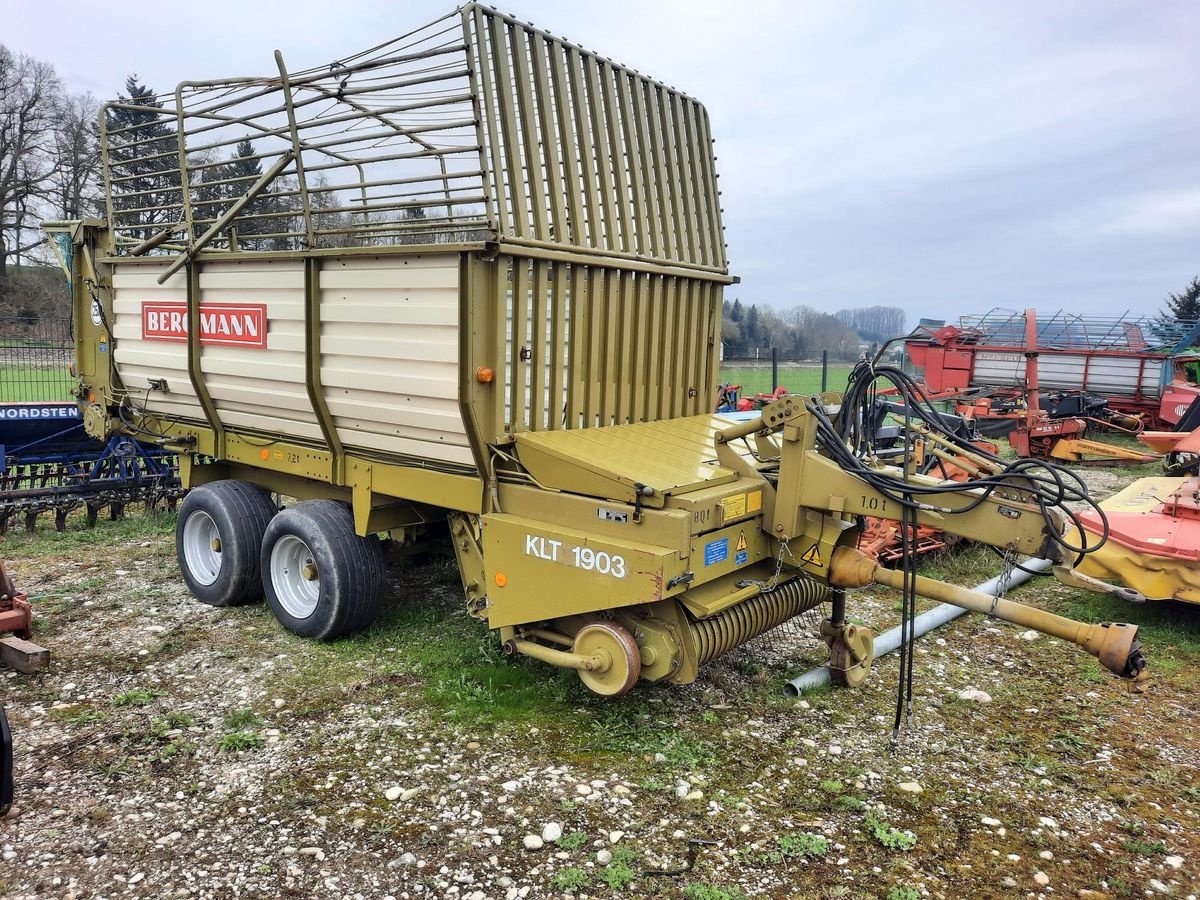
[223,324]
[17,411]
[599,561]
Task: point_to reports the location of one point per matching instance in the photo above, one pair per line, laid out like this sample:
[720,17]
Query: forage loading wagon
[476,273]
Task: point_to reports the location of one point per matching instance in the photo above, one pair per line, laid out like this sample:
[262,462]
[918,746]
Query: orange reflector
[263,453]
[484,375]
[501,579]
[91,398]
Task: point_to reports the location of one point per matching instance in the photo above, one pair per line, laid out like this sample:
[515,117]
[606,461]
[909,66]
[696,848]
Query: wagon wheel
[851,655]
[616,646]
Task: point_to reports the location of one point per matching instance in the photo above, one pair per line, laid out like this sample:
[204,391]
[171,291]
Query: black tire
[240,513]
[321,579]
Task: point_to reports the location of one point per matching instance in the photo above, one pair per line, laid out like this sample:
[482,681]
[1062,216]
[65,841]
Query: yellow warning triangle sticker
[741,544]
[813,556]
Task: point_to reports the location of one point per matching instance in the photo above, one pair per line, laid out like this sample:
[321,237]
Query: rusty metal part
[604,653]
[1115,644]
[1073,578]
[608,639]
[16,615]
[851,652]
[721,633]
[693,848]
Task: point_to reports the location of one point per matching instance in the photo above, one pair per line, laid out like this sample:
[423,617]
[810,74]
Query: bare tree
[73,190]
[30,95]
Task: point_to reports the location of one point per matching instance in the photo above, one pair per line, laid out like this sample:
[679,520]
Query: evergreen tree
[1185,307]
[148,169]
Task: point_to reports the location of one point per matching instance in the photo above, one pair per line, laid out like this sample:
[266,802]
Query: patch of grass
[573,841]
[1145,848]
[136,697]
[832,786]
[79,714]
[237,741]
[707,892]
[571,880]
[888,836]
[619,873]
[801,845]
[797,378]
[903,892]
[240,719]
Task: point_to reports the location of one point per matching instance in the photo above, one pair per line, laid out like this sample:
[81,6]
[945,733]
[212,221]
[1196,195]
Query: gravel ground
[172,750]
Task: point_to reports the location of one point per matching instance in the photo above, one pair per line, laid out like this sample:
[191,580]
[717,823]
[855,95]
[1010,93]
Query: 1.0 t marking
[581,557]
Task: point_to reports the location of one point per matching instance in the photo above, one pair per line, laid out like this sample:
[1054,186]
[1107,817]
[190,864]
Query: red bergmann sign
[223,324]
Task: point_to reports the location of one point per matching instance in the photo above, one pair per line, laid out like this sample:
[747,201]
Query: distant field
[797,379]
[26,384]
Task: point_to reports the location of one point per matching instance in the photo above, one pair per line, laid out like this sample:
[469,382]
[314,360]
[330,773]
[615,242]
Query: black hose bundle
[850,442]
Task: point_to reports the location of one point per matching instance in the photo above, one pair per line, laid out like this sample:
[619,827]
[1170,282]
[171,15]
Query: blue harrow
[49,465]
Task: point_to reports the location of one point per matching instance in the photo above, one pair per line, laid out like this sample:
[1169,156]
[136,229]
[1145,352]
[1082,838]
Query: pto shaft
[1115,644]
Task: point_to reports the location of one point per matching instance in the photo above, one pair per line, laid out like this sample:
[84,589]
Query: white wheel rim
[201,543]
[298,595]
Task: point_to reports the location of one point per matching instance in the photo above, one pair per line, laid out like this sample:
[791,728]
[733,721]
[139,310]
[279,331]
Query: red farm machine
[1044,382]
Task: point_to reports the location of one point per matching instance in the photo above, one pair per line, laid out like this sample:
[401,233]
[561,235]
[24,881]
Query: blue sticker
[741,557]
[716,551]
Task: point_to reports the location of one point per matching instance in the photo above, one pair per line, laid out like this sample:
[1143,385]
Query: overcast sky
[946,157]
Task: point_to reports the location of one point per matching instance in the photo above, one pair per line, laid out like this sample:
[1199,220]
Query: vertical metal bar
[679,360]
[487,109]
[195,368]
[563,103]
[538,358]
[659,348]
[587,154]
[577,361]
[625,365]
[715,308]
[595,73]
[185,186]
[302,184]
[610,349]
[775,369]
[667,178]
[508,126]
[642,346]
[558,342]
[312,368]
[503,273]
[650,171]
[520,322]
[105,164]
[596,349]
[691,345]
[528,119]
[617,156]
[683,183]
[643,236]
[695,154]
[475,50]
[557,184]
[706,150]
[824,371]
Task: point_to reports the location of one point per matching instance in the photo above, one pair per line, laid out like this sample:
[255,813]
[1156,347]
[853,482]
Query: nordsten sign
[224,324]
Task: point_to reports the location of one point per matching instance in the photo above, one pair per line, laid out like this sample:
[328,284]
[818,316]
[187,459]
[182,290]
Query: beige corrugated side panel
[389,354]
[139,361]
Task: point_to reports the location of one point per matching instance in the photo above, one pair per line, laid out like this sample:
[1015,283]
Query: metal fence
[35,360]
[763,370]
